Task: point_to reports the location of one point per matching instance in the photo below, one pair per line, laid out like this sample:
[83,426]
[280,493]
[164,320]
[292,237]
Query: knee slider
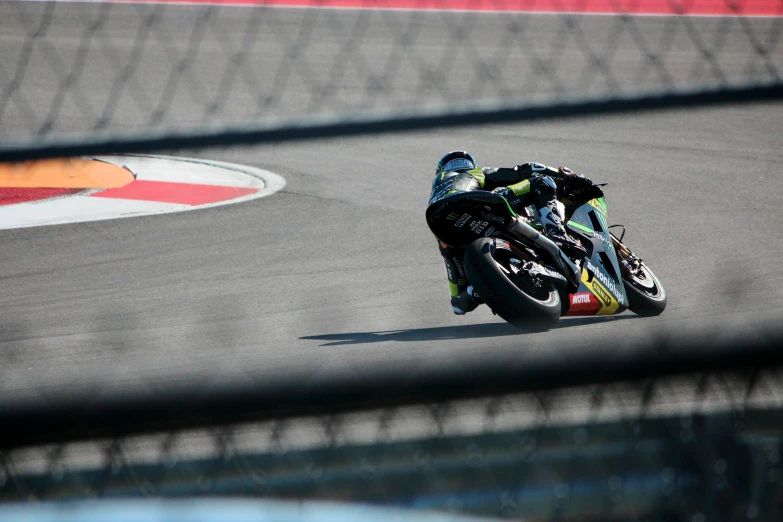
[447,251]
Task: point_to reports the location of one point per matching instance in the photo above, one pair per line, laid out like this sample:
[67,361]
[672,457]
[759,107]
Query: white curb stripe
[76,209]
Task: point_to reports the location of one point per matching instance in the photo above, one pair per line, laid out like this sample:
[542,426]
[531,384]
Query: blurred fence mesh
[693,447]
[104,68]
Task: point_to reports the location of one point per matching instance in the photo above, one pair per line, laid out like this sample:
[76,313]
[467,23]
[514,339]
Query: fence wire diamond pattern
[701,447]
[108,67]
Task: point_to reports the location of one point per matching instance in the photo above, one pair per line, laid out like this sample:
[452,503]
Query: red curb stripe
[179,193]
[12,195]
[657,7]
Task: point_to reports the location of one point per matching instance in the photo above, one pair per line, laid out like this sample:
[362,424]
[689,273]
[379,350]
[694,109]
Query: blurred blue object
[206,510]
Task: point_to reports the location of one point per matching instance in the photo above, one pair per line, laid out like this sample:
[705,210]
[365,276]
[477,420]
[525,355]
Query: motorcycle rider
[457,171]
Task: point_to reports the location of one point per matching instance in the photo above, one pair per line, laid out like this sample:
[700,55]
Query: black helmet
[456,160]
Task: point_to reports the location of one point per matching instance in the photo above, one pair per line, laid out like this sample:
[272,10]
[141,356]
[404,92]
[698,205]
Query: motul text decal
[583,303]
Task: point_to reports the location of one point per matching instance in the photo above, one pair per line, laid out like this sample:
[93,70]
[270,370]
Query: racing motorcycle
[526,279]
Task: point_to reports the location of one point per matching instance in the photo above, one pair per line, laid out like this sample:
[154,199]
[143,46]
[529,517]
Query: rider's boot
[465,301]
[556,232]
[463,298]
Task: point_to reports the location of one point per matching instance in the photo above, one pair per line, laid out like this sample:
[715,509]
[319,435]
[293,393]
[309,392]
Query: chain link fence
[529,441]
[136,74]
[698,447]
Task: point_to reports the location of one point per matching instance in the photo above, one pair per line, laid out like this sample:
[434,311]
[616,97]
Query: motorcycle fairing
[600,277]
[461,218]
[608,304]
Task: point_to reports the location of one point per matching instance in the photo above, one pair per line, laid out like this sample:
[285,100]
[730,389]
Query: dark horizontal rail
[376,122]
[293,394]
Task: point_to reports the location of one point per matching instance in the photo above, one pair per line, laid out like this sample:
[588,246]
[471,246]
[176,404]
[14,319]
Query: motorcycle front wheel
[529,304]
[646,296]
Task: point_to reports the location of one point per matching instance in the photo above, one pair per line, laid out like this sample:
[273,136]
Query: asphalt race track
[339,271]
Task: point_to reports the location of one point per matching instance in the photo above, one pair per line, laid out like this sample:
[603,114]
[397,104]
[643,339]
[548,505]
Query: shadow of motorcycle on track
[444,333]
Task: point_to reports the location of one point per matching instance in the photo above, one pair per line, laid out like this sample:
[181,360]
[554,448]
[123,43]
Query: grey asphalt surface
[339,272]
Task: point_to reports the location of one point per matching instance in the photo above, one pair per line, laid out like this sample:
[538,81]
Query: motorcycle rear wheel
[533,307]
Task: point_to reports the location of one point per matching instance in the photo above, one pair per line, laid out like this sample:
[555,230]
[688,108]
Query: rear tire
[536,308]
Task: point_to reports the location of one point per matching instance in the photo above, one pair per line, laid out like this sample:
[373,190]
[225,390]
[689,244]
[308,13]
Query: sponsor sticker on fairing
[462,220]
[601,277]
[583,303]
[581,298]
[478,226]
[602,294]
[606,242]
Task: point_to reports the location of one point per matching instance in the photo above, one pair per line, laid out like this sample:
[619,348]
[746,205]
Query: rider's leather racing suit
[521,185]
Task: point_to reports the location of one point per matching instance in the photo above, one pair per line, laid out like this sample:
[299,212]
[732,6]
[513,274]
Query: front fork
[629,262]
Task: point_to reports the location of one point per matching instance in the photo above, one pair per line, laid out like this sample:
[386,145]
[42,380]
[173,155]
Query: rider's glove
[573,181]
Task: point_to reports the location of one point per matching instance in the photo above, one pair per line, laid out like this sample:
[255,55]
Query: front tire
[646,296]
[525,306]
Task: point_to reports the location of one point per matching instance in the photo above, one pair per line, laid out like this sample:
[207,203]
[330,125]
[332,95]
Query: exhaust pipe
[524,231]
